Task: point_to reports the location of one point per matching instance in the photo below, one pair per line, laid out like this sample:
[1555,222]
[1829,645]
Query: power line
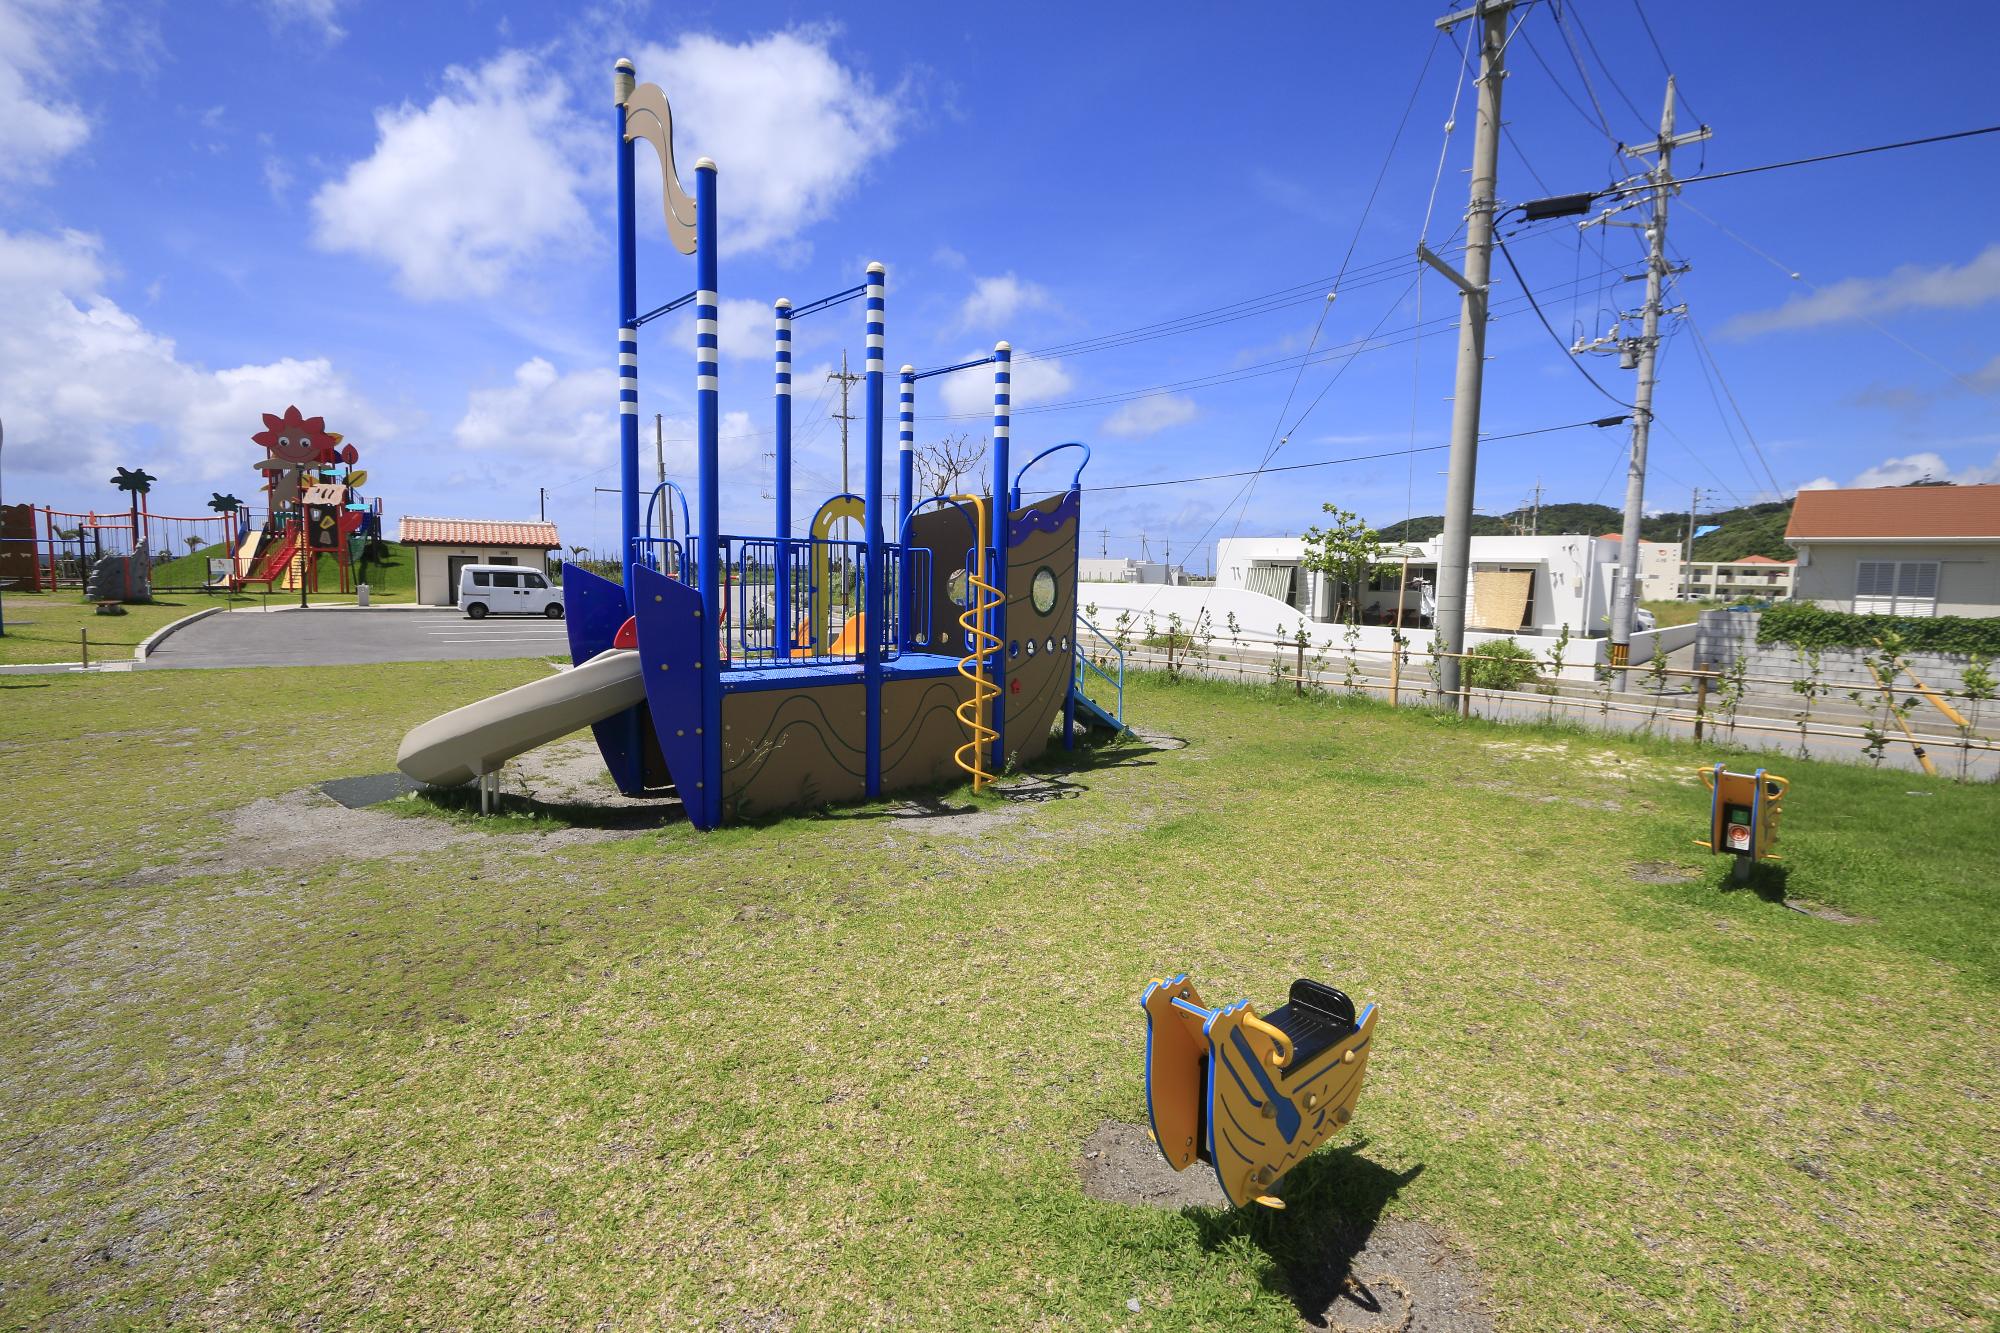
[1605,65]
[1808,161]
[1567,354]
[1701,345]
[1335,462]
[1666,66]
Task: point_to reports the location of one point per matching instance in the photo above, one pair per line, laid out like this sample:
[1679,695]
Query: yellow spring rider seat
[1251,1096]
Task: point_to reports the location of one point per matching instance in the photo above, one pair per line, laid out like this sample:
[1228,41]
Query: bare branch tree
[942,464]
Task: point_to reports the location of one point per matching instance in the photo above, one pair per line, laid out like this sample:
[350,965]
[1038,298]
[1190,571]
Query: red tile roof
[1897,512]
[477,532]
[1763,560]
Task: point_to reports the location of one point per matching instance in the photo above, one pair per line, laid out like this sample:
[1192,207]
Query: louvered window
[1896,587]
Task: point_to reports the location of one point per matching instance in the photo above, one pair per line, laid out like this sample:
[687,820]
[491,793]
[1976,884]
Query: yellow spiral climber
[984,645]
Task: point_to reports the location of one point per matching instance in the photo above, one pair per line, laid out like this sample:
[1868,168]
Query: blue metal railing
[1076,480]
[1088,666]
[823,597]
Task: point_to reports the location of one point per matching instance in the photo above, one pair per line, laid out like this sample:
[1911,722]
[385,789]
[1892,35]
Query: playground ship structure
[753,674]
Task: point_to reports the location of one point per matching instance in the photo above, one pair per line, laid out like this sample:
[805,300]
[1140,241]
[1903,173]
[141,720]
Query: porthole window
[1014,648]
[1065,643]
[1049,646]
[1031,647]
[959,588]
[1042,592]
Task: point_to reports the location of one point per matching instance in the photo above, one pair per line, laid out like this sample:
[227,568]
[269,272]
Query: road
[347,636]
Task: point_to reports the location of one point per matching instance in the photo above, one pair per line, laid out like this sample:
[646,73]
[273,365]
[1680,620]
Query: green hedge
[1808,626]
[1499,664]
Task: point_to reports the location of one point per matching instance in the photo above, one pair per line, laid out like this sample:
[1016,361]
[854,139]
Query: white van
[511,590]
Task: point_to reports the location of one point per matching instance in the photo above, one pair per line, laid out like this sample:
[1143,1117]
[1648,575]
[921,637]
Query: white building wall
[1968,572]
[434,586]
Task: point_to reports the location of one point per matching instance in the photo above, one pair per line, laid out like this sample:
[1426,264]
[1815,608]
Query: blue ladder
[1097,695]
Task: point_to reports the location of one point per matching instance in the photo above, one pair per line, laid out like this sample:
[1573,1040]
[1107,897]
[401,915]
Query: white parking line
[505,638]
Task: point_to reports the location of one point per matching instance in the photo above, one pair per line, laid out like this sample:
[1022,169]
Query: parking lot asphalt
[347,636]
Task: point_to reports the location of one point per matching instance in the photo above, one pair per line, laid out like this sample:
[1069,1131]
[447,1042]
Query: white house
[1899,550]
[443,546]
[1105,569]
[1519,585]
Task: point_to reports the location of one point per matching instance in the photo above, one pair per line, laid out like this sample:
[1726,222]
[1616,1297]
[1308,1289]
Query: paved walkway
[346,636]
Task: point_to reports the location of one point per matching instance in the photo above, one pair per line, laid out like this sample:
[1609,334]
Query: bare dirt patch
[1394,1276]
[1661,872]
[1121,1165]
[1806,907]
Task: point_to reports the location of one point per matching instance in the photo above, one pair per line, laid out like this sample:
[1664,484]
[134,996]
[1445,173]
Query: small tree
[1345,552]
[940,464]
[1979,687]
[1808,687]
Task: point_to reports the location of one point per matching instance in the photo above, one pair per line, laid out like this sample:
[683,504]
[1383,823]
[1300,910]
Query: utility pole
[1644,353]
[1104,543]
[544,502]
[1535,514]
[1455,551]
[1145,548]
[846,381]
[1687,568]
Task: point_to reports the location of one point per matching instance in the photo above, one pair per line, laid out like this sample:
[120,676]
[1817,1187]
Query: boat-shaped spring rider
[1251,1096]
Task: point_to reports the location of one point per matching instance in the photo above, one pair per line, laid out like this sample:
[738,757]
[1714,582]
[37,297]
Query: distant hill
[1749,530]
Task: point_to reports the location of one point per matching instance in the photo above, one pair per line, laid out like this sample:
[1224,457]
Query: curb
[152,641]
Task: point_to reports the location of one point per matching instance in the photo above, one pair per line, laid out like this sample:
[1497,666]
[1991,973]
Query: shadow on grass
[1767,880]
[524,811]
[1332,1203]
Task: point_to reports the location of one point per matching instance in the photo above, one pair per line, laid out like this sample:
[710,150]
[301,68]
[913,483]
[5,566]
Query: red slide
[275,561]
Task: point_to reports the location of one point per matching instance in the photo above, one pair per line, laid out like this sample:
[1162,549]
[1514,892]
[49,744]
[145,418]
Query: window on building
[1896,588]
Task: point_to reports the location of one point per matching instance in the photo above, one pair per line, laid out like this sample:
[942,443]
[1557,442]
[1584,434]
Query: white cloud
[569,420]
[743,330]
[38,126]
[318,15]
[1149,416]
[1924,465]
[89,387]
[792,130]
[971,391]
[1910,287]
[555,426]
[461,194]
[993,302]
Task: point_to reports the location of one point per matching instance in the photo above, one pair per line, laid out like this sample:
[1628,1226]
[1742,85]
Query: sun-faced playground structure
[753,674]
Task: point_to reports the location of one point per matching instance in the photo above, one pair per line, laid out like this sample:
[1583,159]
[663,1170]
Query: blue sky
[398,216]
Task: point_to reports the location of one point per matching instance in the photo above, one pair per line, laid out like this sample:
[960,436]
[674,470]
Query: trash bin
[361,594]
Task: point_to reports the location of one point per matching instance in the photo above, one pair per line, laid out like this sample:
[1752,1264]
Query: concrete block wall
[1723,636]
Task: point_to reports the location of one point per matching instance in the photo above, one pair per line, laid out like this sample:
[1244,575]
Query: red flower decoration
[297,439]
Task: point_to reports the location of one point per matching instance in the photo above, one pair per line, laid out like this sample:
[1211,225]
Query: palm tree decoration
[135,482]
[223,504]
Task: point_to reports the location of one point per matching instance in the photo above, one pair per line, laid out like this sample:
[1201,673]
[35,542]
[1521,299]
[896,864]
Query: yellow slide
[246,552]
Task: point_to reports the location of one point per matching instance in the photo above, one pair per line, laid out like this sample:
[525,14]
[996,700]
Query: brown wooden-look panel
[792,749]
[1037,685]
[921,731]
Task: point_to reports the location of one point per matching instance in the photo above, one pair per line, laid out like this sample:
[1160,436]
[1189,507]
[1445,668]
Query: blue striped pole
[781,392]
[1003,416]
[874,604]
[906,489]
[708,470]
[628,335]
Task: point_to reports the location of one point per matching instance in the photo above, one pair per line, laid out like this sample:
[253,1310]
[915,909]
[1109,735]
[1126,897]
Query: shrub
[1809,626]
[1499,664]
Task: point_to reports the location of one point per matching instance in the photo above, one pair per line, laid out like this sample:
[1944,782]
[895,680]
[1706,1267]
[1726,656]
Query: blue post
[906,490]
[874,604]
[781,577]
[708,468]
[628,337]
[1003,415]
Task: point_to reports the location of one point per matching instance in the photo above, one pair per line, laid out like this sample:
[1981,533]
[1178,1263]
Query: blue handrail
[687,524]
[1075,481]
[1085,667]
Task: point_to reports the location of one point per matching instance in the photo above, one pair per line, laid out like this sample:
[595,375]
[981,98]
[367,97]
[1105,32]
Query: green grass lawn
[47,626]
[1669,613]
[837,1071]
